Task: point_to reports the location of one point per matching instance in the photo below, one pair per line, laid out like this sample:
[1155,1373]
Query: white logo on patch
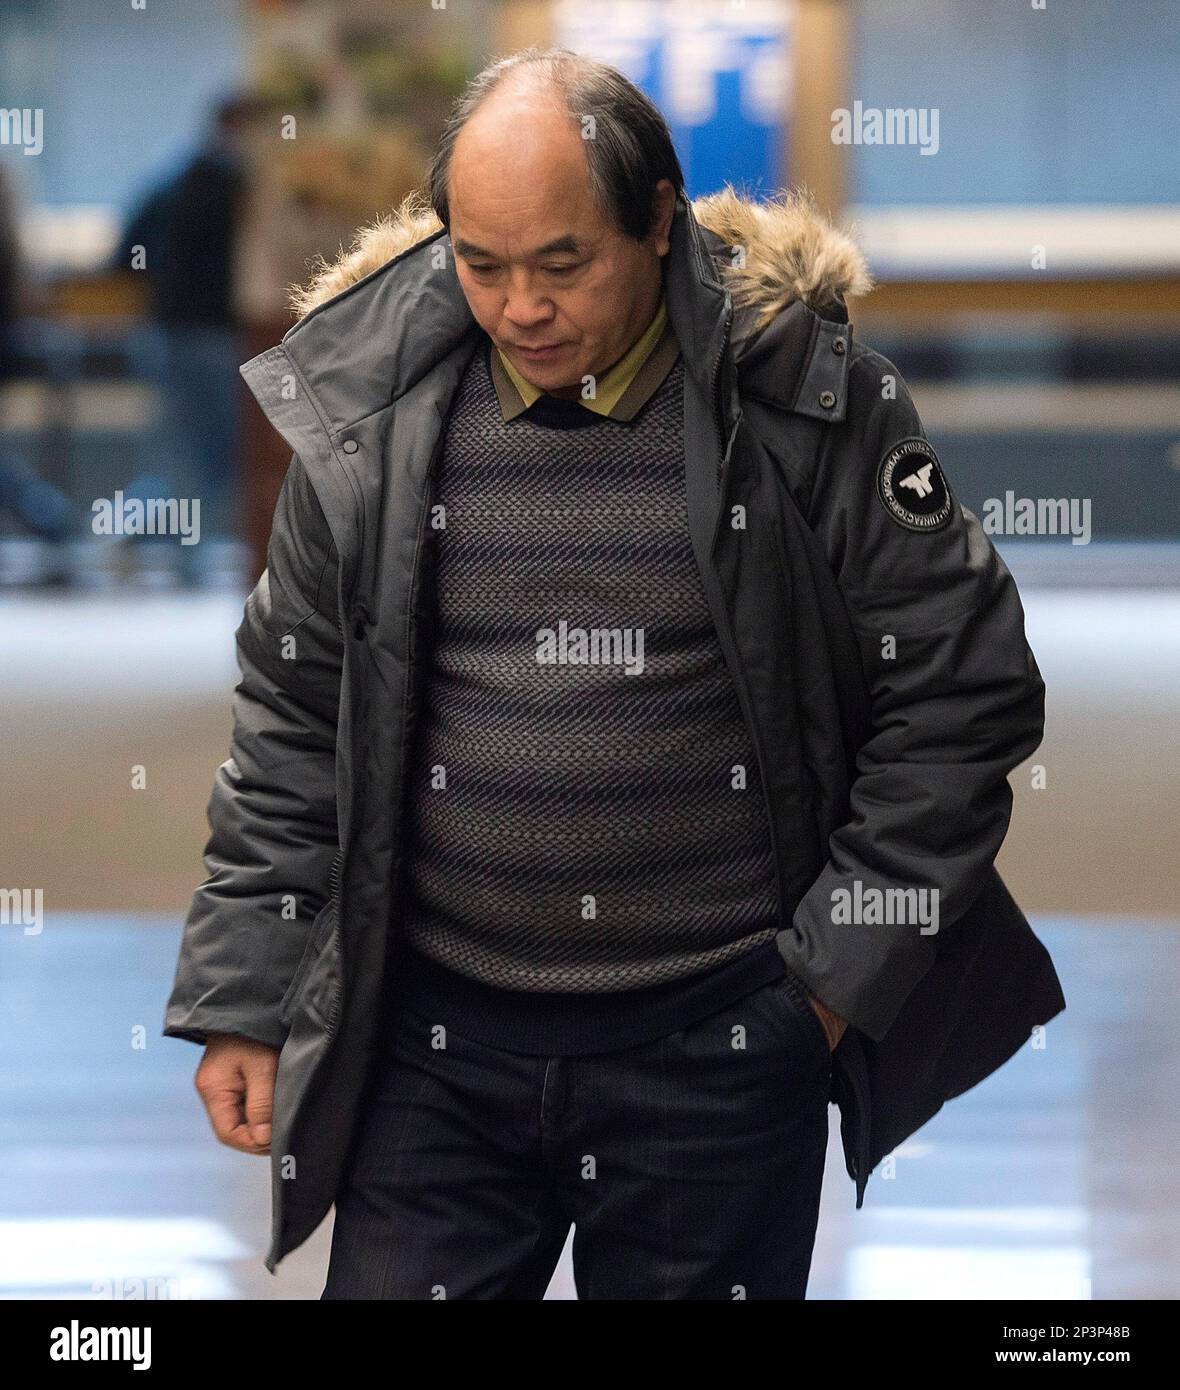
[910,483]
[919,481]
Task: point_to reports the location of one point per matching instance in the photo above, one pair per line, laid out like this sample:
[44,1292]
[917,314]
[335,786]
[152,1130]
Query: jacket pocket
[796,996]
[317,938]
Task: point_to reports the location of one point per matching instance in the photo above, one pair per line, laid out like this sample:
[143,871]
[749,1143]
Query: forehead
[519,186]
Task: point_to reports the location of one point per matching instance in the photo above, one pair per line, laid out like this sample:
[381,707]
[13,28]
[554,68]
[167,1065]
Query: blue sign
[720,73]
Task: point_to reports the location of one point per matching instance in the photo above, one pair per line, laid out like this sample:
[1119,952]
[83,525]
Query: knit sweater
[588,861]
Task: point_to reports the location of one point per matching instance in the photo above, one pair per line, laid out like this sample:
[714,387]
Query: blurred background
[166,173]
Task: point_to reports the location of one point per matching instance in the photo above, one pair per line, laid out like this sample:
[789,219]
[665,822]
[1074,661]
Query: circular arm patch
[911,484]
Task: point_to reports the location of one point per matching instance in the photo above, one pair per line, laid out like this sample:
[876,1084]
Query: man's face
[559,289]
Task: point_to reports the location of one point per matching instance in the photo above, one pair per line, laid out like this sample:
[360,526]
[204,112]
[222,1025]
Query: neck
[567,393]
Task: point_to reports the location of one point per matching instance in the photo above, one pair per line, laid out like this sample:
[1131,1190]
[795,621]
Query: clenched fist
[236,1083]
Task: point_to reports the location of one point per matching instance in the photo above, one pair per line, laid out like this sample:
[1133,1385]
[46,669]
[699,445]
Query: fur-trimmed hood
[755,293]
[790,252]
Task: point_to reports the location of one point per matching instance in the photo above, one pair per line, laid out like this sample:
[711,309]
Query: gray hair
[629,152]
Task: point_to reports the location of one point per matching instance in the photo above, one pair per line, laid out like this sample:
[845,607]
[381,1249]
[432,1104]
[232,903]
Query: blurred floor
[1053,1179]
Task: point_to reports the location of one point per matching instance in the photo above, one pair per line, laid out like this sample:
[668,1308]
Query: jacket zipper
[715,382]
[729,647]
[411,629]
[333,898]
[334,874]
[751,729]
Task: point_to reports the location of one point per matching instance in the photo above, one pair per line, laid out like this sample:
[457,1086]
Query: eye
[560,269]
[481,269]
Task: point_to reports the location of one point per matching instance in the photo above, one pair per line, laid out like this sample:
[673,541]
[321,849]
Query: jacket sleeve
[957,703]
[272,813]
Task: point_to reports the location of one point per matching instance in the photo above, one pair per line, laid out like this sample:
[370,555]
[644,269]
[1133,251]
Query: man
[37,503]
[621,650]
[188,230]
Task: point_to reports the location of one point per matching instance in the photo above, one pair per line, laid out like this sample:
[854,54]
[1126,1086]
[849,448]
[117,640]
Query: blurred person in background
[40,507]
[189,228]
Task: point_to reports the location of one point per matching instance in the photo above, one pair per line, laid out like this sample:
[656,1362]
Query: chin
[556,373]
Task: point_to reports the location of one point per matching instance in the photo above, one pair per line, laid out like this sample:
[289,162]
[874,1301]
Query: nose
[525,306]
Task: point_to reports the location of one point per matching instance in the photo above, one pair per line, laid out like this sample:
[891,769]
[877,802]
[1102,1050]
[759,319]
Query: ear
[665,199]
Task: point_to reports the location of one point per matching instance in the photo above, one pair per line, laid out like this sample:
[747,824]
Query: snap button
[827,399]
[351,446]
[838,346]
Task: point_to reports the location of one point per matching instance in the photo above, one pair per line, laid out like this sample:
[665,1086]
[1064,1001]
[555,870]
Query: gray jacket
[875,637]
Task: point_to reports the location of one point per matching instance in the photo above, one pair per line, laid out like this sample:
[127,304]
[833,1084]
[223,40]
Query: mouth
[540,354]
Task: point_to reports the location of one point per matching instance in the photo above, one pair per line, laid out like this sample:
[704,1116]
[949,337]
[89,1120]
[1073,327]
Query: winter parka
[875,637]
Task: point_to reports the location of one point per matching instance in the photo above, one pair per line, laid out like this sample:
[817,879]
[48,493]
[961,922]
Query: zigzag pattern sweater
[588,862]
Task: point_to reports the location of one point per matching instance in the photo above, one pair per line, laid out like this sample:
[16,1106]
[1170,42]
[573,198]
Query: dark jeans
[690,1167]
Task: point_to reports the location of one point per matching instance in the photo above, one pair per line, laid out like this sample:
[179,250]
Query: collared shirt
[629,384]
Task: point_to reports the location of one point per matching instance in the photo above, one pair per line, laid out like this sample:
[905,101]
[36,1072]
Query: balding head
[558,238]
